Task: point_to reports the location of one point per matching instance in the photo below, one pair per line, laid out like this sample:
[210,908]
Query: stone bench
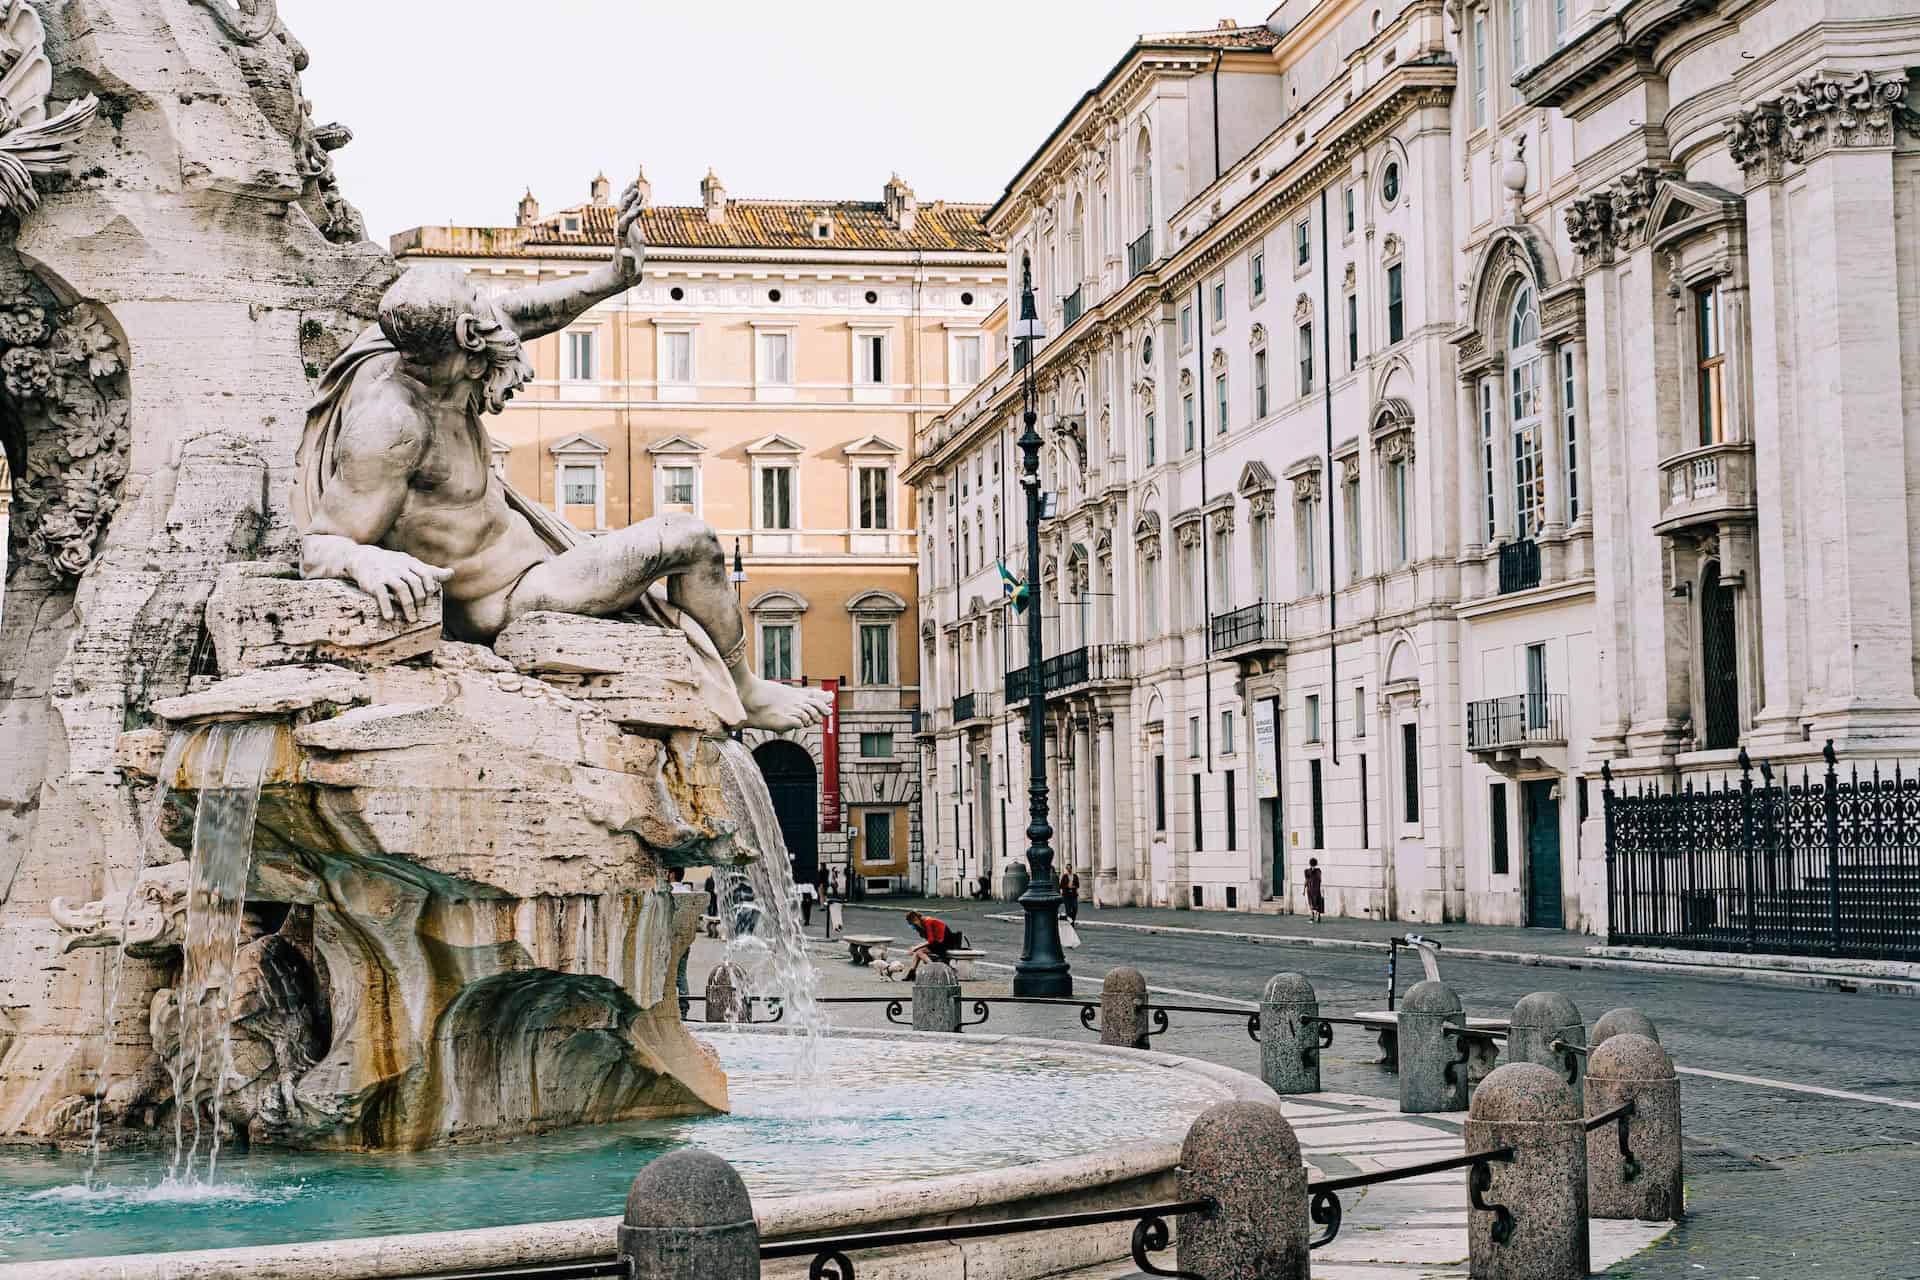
[864,948]
[711,924]
[1387,1024]
[962,958]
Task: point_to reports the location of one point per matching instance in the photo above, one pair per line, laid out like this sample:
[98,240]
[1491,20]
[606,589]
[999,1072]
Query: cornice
[1621,39]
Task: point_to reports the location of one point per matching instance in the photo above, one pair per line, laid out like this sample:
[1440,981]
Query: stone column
[1543,1188]
[1613,1022]
[1082,793]
[1433,1069]
[1106,889]
[936,998]
[1538,1021]
[1646,1183]
[1290,1035]
[689,1217]
[1608,478]
[1243,1156]
[1554,447]
[1123,1018]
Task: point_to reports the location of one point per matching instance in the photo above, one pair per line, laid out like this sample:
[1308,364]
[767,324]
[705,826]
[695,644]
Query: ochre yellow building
[768,374]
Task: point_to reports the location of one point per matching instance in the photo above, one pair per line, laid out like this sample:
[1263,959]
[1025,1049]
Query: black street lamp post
[1042,970]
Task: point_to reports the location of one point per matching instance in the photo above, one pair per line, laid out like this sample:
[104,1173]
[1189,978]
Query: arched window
[1143,183]
[1526,372]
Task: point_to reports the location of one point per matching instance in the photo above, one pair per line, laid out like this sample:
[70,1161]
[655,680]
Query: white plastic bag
[1069,936]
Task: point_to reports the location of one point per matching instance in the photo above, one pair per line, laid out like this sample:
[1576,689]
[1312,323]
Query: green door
[1543,855]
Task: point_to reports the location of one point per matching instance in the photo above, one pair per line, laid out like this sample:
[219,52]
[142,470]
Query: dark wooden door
[1543,855]
[791,780]
[1719,661]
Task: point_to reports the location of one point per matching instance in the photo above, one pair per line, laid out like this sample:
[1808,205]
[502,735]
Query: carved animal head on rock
[448,333]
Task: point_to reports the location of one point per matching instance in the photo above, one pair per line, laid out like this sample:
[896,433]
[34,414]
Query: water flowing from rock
[764,942]
[232,761]
[149,836]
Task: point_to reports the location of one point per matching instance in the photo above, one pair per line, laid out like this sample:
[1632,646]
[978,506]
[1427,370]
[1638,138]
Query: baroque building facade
[767,374]
[1430,404]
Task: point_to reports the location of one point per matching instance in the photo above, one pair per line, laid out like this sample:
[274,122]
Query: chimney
[714,196]
[529,210]
[901,206]
[602,191]
[641,185]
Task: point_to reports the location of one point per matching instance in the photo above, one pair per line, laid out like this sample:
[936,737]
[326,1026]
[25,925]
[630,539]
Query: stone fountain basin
[1117,1174]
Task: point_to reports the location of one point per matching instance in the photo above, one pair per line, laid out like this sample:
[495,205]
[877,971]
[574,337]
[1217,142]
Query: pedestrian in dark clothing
[1070,895]
[746,911]
[1316,900]
[677,880]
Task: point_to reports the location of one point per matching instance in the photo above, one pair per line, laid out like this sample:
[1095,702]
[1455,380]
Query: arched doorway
[1719,661]
[791,780]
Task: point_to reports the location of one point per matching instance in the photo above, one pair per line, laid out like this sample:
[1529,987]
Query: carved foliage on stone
[1817,113]
[1590,226]
[63,373]
[30,142]
[1632,198]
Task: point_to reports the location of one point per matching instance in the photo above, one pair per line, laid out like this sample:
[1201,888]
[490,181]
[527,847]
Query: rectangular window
[1366,815]
[776,651]
[1186,325]
[873,497]
[1260,384]
[1316,801]
[1153,439]
[966,354]
[1186,403]
[1307,534]
[1159,793]
[1220,403]
[1559,22]
[676,485]
[1517,32]
[1536,686]
[1529,482]
[1306,358]
[1711,364]
[1356,562]
[1198,829]
[1410,770]
[776,358]
[876,653]
[1261,549]
[776,498]
[677,354]
[1479,68]
[1313,717]
[871,349]
[580,486]
[1486,449]
[1360,711]
[1570,422]
[1193,737]
[580,352]
[1497,827]
[876,745]
[1226,732]
[1396,310]
[1353,331]
[1220,302]
[1259,268]
[1400,498]
[1346,199]
[1233,818]
[1302,243]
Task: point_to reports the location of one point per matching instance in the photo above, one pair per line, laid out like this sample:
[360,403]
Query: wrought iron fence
[1519,565]
[1515,719]
[1825,862]
[1071,669]
[1263,623]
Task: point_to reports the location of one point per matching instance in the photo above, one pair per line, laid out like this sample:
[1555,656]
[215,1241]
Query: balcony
[1251,631]
[1091,664]
[1072,306]
[976,706]
[1518,732]
[1139,253]
[1706,485]
[1519,566]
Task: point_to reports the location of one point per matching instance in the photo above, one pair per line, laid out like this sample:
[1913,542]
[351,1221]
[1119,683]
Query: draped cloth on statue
[315,464]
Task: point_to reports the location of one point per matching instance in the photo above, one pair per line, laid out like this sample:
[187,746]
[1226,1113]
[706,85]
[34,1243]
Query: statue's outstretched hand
[630,253]
[397,582]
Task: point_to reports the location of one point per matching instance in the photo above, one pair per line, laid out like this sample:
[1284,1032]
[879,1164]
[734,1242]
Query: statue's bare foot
[782,706]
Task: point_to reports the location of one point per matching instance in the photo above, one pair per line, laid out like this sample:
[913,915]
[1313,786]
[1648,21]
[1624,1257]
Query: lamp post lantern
[1042,970]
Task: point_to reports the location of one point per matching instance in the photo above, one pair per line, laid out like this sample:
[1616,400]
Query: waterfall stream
[764,942]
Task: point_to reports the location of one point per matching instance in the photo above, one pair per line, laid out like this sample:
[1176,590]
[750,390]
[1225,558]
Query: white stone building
[1430,399]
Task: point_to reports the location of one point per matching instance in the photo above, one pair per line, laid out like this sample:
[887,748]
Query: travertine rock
[272,692]
[573,644]
[264,615]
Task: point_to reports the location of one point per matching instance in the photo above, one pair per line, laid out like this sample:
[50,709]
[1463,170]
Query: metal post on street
[1042,970]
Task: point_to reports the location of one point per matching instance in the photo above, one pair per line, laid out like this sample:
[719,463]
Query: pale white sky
[457,106]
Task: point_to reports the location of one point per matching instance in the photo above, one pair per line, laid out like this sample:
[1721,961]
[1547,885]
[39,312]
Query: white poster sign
[1266,760]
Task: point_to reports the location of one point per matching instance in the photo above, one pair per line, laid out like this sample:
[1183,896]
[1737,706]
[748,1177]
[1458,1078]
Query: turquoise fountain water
[894,1111]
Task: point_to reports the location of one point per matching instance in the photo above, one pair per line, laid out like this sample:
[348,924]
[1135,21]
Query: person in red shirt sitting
[940,939]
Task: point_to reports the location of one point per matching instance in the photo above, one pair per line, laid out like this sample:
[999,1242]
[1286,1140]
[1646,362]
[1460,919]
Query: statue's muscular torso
[454,510]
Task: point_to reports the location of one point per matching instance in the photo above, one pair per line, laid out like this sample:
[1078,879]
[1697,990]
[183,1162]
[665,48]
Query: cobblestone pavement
[1781,1182]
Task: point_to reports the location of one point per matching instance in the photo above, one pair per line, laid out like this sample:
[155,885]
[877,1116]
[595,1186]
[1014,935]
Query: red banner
[830,760]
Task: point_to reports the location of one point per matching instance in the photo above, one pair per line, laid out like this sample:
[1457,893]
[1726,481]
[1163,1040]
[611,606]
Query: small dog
[891,970]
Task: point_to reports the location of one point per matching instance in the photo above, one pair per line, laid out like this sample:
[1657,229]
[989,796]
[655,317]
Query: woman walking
[1316,900]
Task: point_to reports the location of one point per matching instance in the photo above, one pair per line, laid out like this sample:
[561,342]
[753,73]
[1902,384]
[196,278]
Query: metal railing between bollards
[1151,1234]
[775,1005]
[1156,1014]
[1629,1166]
[1324,1209]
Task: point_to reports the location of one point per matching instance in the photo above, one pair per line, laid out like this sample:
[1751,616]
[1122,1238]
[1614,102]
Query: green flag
[1015,589]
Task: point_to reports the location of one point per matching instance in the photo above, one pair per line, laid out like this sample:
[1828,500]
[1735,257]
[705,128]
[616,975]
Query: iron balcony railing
[1072,305]
[1519,565]
[1139,253]
[1810,863]
[1022,352]
[1516,720]
[963,708]
[978,705]
[1260,625]
[1075,667]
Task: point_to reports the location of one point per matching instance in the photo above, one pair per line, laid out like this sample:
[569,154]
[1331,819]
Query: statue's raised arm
[541,309]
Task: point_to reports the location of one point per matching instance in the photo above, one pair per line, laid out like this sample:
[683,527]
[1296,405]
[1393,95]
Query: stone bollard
[936,998]
[1243,1156]
[1290,1035]
[1543,1189]
[1645,1184]
[1613,1022]
[725,1001]
[1123,1014]
[1540,1019]
[1433,1067]
[689,1218]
